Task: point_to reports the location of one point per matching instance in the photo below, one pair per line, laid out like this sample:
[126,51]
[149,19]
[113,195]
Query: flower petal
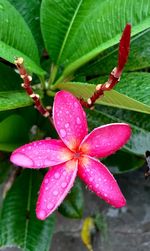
[100,181]
[55,186]
[69,119]
[105,140]
[41,153]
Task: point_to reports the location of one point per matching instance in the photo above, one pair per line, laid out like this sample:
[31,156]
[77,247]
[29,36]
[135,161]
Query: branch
[46,112]
[114,78]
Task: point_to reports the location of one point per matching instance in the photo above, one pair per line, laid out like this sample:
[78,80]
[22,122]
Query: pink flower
[75,154]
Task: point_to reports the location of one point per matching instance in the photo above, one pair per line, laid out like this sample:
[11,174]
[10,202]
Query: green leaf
[110,98]
[9,53]
[30,10]
[72,206]
[14,99]
[139,57]
[10,138]
[140,125]
[18,223]
[9,79]
[16,39]
[67,24]
[140,120]
[135,85]
[122,162]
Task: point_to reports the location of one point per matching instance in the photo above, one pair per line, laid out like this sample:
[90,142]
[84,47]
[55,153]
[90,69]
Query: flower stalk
[26,85]
[114,78]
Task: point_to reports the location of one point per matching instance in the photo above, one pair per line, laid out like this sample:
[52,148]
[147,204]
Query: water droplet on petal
[64,184]
[64,173]
[66,125]
[56,175]
[50,205]
[78,120]
[75,104]
[55,193]
[63,132]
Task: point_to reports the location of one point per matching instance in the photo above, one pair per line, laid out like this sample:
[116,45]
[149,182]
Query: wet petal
[69,119]
[105,140]
[41,153]
[55,186]
[100,181]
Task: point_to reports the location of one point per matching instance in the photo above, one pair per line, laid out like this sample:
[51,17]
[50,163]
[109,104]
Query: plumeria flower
[75,153]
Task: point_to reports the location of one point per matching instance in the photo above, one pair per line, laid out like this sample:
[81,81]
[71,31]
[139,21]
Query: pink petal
[42,153]
[69,119]
[105,140]
[55,186]
[100,181]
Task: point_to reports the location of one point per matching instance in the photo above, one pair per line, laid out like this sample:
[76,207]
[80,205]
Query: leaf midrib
[28,210]
[68,30]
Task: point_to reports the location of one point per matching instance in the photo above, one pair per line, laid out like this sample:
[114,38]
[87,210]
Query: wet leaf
[19,226]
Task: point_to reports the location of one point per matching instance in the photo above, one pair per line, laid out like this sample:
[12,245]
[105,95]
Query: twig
[114,78]
[46,112]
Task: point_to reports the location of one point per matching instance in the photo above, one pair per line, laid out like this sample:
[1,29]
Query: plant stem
[42,81]
[53,73]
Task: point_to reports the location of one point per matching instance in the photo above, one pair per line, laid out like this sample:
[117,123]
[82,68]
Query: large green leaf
[111,98]
[122,162]
[30,10]
[140,120]
[77,31]
[14,99]
[140,124]
[16,38]
[139,57]
[136,86]
[13,132]
[18,224]
[72,206]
